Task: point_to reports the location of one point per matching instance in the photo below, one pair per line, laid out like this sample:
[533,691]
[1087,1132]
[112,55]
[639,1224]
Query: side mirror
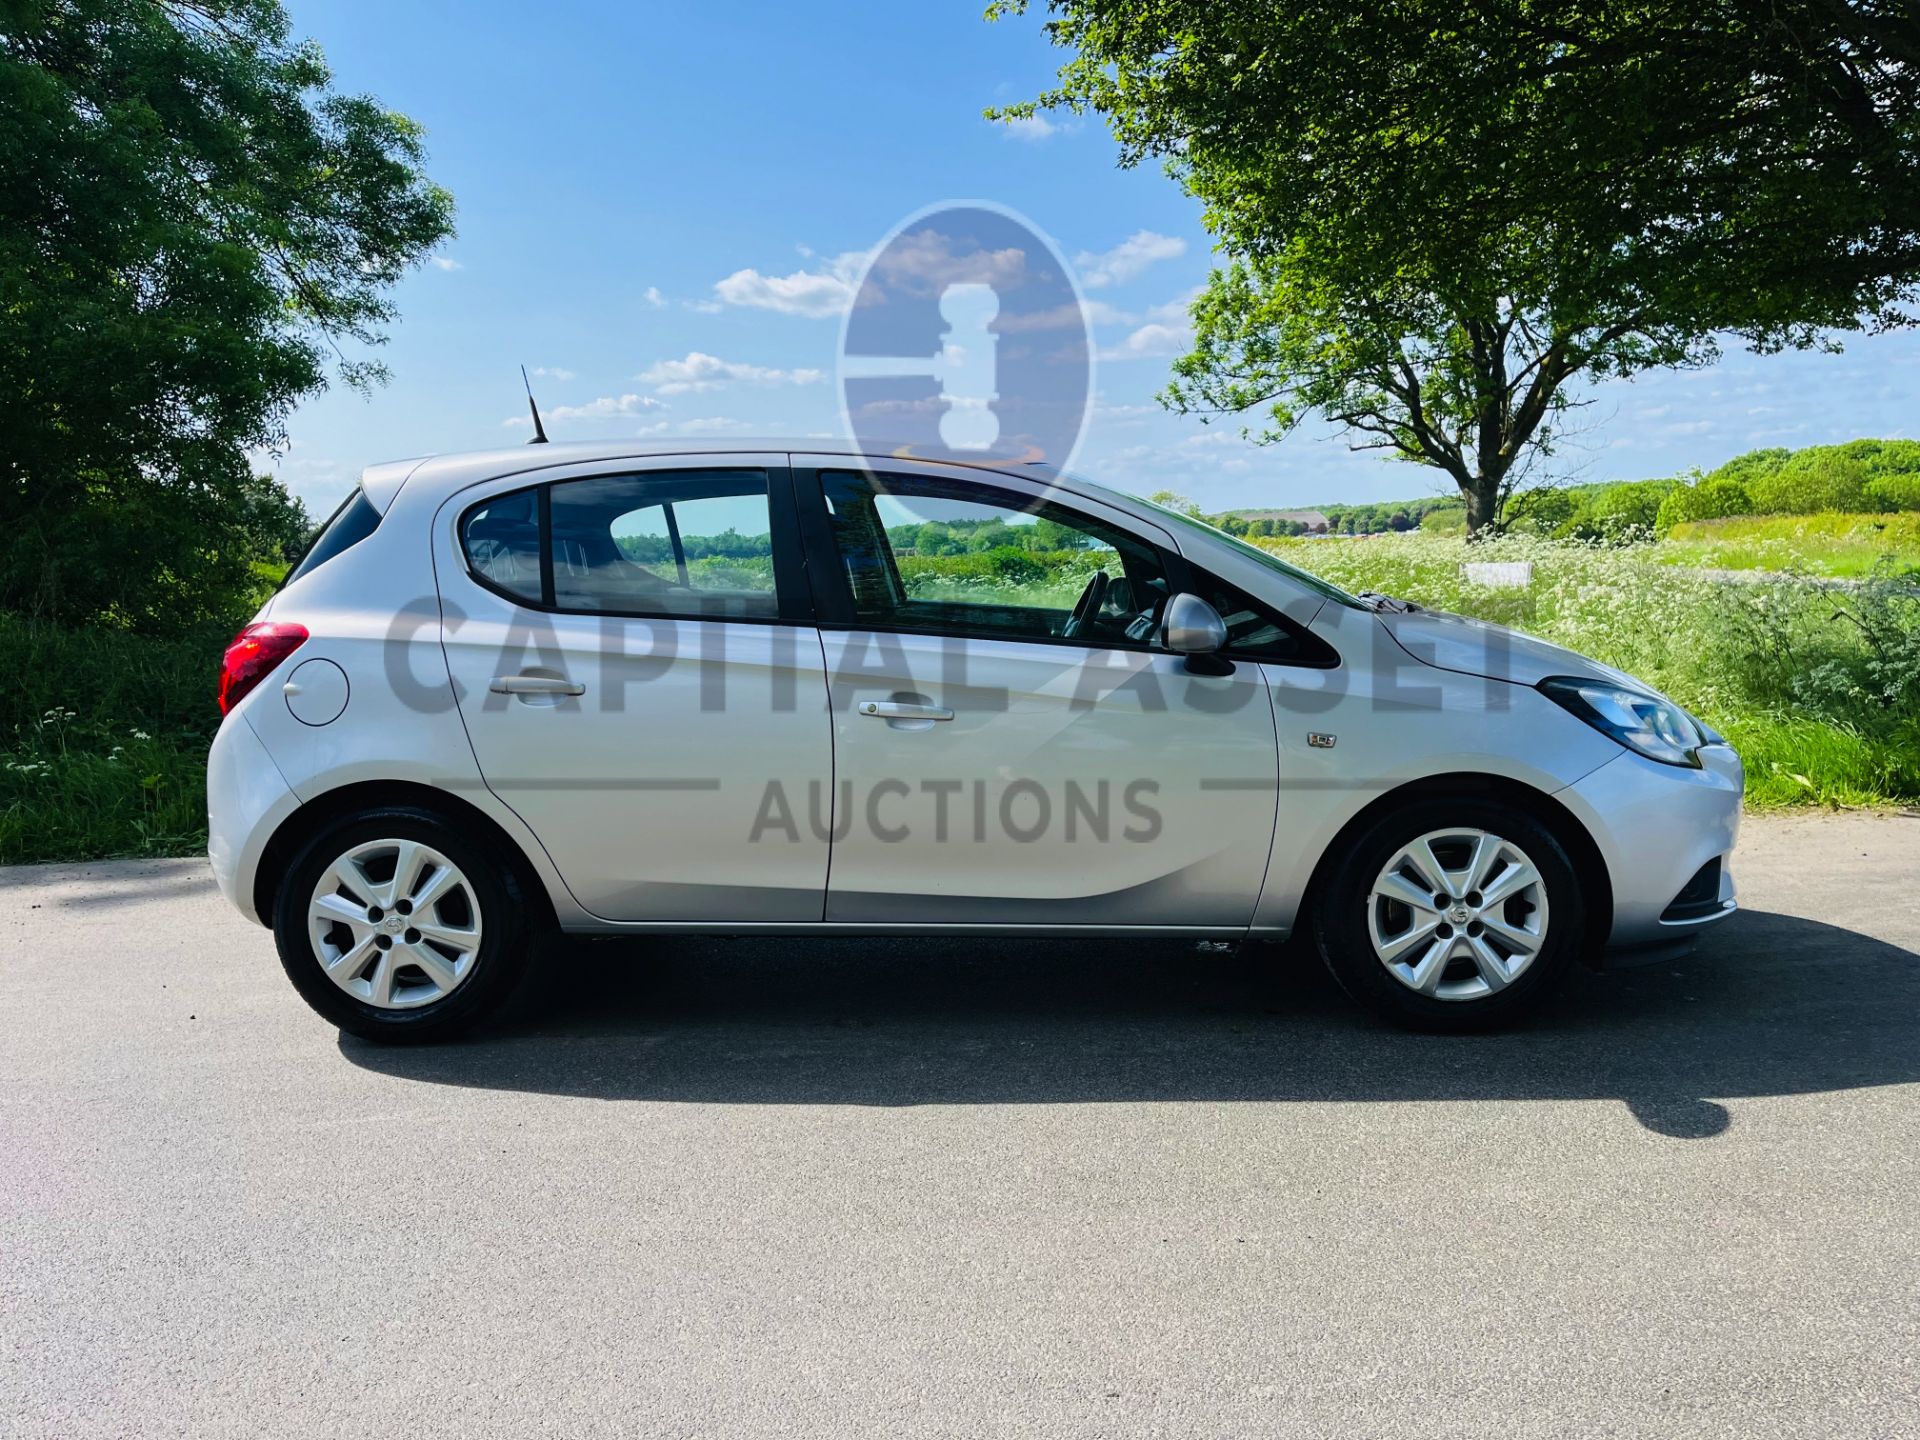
[1191,626]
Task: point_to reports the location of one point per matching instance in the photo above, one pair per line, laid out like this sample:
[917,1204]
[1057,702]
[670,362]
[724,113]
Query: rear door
[642,683]
[1011,745]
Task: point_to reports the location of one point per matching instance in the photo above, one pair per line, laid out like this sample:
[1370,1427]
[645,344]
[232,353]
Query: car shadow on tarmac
[1770,1005]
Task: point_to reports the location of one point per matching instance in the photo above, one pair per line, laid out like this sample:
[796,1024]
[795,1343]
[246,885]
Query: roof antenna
[539,430]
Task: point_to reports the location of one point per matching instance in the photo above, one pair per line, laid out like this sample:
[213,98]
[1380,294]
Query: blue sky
[660,206]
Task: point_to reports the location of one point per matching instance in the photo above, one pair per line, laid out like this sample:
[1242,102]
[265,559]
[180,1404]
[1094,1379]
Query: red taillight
[252,656]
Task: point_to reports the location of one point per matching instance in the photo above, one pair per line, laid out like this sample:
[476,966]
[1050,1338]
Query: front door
[1010,745]
[636,673]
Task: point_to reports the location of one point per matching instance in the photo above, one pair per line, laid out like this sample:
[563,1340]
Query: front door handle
[901,710]
[535,685]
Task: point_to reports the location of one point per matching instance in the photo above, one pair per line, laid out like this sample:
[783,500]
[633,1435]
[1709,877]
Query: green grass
[103,742]
[1831,545]
[1797,762]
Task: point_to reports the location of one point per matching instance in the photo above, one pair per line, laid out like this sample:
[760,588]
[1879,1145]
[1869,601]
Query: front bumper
[1656,826]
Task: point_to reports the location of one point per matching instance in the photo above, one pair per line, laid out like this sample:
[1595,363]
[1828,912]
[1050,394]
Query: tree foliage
[196,229]
[1895,492]
[1707,499]
[1437,221]
[1812,481]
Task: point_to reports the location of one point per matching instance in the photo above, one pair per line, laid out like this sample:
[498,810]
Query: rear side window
[353,522]
[695,543]
[664,543]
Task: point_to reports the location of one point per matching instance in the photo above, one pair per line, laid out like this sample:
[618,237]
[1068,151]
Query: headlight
[1646,724]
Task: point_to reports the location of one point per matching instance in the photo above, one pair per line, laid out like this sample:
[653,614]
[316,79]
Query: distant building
[1313,521]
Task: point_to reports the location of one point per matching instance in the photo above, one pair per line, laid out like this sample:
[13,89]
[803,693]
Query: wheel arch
[311,818]
[1596,884]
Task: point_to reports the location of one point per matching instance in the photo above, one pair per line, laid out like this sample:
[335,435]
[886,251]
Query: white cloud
[1131,258]
[1215,440]
[920,257]
[1203,455]
[653,296]
[711,425]
[1168,331]
[698,372]
[319,482]
[924,258]
[443,262]
[604,407]
[552,372]
[1149,342]
[1030,128]
[1099,312]
[815,294]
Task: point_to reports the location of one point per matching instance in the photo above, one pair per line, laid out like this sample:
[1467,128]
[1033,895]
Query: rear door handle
[900,710]
[535,685]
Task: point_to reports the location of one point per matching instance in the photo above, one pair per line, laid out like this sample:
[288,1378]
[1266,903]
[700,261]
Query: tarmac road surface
[739,1188]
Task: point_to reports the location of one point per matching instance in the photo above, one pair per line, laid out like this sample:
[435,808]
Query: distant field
[1841,546]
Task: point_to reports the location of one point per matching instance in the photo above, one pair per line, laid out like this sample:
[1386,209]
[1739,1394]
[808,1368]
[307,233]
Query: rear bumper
[1656,826]
[247,798]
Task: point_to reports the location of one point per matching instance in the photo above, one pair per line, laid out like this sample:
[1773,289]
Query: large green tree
[196,229]
[1437,220]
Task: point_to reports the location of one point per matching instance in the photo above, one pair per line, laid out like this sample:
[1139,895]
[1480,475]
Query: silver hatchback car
[786,689]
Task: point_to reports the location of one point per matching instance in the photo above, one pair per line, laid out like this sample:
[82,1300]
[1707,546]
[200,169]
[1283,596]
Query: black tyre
[1451,914]
[396,925]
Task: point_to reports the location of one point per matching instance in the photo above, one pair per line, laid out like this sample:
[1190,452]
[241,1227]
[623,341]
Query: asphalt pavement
[742,1188]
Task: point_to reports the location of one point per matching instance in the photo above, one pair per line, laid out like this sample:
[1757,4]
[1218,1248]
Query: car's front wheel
[395,925]
[1451,914]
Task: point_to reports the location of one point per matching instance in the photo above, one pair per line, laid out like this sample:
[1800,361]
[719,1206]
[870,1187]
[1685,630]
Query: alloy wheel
[1458,914]
[395,924]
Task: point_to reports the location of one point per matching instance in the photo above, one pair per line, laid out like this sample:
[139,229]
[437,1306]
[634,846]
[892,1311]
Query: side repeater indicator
[1320,741]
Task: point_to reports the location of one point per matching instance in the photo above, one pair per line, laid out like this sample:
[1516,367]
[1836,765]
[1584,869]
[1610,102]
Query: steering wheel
[1088,605]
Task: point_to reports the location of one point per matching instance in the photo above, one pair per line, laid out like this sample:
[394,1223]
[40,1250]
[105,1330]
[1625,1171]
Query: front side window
[954,557]
[1256,631]
[1326,589]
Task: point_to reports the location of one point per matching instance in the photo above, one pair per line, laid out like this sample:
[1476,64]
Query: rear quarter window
[501,538]
[353,522]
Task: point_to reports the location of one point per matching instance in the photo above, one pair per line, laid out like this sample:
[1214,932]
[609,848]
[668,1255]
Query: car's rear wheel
[1451,914]
[394,925]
